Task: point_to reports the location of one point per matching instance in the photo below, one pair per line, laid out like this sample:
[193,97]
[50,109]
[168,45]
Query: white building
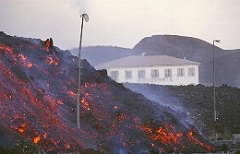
[161,70]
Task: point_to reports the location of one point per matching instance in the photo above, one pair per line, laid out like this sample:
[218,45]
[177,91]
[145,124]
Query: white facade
[236,136]
[186,73]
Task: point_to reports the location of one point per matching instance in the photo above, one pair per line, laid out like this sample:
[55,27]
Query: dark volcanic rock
[197,101]
[38,91]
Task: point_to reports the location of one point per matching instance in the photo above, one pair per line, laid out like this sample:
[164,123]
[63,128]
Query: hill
[178,46]
[197,102]
[199,51]
[100,54]
[37,105]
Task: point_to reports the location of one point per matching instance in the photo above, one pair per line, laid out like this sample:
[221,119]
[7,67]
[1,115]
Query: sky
[121,23]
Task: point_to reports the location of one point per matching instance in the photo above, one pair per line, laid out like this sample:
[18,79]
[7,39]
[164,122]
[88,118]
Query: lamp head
[218,41]
[85,16]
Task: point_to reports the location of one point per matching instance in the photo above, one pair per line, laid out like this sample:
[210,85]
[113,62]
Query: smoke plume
[80,5]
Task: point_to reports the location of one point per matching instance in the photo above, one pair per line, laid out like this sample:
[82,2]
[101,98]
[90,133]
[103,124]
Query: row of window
[154,73]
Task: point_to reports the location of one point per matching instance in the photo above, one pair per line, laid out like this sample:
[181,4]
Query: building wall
[236,136]
[174,79]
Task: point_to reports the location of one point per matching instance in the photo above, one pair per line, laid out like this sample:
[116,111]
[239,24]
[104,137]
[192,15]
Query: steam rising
[161,97]
[80,5]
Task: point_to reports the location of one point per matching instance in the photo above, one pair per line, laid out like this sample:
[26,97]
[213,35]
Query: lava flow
[38,92]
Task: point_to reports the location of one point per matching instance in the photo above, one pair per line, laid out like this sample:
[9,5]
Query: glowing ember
[165,134]
[25,62]
[6,48]
[36,139]
[51,61]
[21,129]
[196,141]
[85,104]
[60,102]
[152,144]
[22,57]
[68,145]
[115,107]
[29,65]
[72,94]
[45,135]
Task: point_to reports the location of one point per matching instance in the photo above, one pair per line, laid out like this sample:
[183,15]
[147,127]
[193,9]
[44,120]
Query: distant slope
[199,51]
[178,46]
[196,101]
[228,68]
[101,54]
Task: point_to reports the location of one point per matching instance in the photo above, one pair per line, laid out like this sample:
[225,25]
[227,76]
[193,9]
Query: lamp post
[214,90]
[82,16]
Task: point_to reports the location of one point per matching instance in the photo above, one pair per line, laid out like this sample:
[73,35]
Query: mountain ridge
[181,47]
[195,50]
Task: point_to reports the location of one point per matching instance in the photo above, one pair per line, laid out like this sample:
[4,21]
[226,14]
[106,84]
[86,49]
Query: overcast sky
[121,23]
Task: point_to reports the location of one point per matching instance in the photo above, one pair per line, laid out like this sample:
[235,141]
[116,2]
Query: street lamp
[86,18]
[214,90]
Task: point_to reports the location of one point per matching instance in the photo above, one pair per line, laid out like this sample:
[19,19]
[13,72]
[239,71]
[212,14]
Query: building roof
[146,61]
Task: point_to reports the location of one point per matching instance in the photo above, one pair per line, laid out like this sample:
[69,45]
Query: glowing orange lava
[115,107]
[196,141]
[42,108]
[68,145]
[85,104]
[25,62]
[52,61]
[6,48]
[20,129]
[36,139]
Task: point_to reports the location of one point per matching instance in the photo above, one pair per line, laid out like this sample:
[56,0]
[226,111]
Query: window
[168,73]
[180,72]
[191,71]
[114,75]
[128,74]
[155,73]
[141,74]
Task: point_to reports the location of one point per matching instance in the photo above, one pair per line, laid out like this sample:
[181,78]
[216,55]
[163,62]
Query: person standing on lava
[47,44]
[51,43]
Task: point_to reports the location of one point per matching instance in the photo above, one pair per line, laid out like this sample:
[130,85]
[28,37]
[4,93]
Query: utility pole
[82,16]
[214,90]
